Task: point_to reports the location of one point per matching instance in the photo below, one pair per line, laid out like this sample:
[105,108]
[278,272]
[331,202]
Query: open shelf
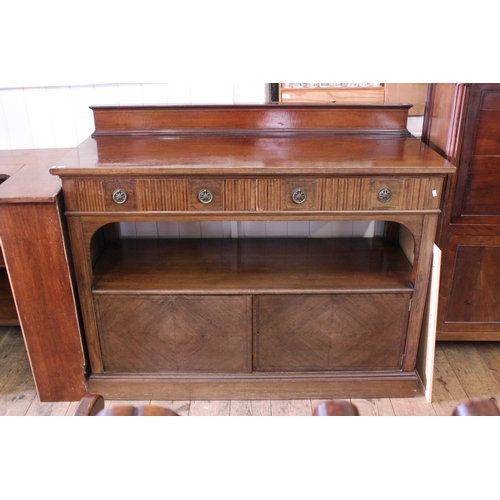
[252,265]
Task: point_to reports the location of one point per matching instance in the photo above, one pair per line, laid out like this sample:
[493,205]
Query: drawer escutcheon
[299,196]
[119,196]
[384,195]
[205,196]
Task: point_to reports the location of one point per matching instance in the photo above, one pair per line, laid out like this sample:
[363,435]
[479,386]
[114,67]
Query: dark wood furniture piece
[243,318]
[92,405]
[462,122]
[477,407]
[336,408]
[38,264]
[89,406]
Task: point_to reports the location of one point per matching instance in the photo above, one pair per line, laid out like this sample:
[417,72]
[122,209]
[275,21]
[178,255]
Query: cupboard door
[472,282]
[330,332]
[179,333]
[478,180]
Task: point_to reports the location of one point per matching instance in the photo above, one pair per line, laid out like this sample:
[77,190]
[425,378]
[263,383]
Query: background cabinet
[462,122]
[359,93]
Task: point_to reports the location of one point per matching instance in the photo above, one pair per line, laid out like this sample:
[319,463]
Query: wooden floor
[463,370]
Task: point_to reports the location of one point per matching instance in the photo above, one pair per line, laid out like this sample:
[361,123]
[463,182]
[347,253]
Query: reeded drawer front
[248,195]
[348,194]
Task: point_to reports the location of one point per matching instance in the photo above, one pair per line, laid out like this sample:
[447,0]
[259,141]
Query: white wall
[59,117]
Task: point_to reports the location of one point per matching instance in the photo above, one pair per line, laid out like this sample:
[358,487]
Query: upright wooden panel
[392,118]
[483,186]
[35,253]
[33,238]
[475,288]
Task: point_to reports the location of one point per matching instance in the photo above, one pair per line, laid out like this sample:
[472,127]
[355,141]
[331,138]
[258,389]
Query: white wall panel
[127,230]
[276,228]
[129,94]
[366,229]
[298,229]
[321,229]
[168,229]
[215,229]
[83,97]
[342,228]
[154,93]
[39,112]
[106,94]
[178,93]
[189,230]
[250,93]
[62,115]
[146,230]
[17,119]
[4,132]
[212,93]
[252,229]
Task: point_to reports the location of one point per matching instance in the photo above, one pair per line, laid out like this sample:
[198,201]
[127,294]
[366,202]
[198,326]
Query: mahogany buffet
[252,318]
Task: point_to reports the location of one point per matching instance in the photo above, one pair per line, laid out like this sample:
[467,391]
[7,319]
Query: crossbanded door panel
[175,333]
[330,332]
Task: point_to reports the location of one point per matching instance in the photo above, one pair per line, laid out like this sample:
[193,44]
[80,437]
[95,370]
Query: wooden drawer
[249,195]
[349,194]
[174,333]
[159,195]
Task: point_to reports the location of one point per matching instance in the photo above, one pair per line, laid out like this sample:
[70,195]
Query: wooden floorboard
[463,370]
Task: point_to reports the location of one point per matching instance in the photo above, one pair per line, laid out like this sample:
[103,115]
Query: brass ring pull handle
[384,195]
[299,196]
[119,196]
[205,196]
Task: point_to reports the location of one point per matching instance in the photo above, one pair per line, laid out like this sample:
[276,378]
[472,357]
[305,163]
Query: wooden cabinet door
[478,180]
[175,333]
[330,332]
[470,289]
